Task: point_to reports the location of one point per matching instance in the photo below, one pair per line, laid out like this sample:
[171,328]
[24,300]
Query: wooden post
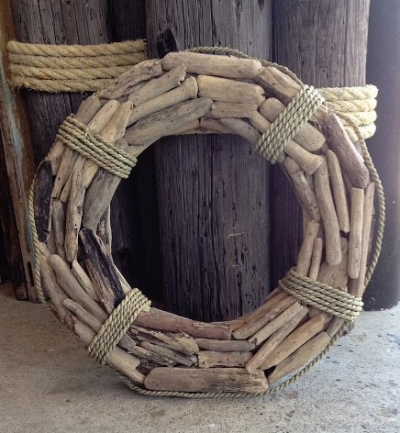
[325,44]
[383,71]
[212,191]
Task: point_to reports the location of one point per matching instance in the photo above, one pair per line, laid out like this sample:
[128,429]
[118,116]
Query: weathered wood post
[325,44]
[212,191]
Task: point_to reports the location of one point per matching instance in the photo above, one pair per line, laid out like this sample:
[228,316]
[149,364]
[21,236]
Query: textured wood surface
[325,44]
[212,191]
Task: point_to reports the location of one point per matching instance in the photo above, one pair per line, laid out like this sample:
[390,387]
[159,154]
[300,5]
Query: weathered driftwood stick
[51,242]
[251,327]
[42,200]
[178,358]
[225,90]
[190,128]
[357,286]
[299,358]
[74,216]
[104,231]
[101,270]
[166,122]
[206,380]
[208,64]
[316,259]
[73,289]
[155,358]
[125,84]
[225,345]
[350,160]
[118,358]
[79,273]
[58,226]
[158,86]
[188,90]
[295,340]
[328,214]
[303,190]
[308,137]
[336,275]
[213,125]
[85,113]
[211,359]
[178,341]
[276,324]
[334,325]
[339,191]
[356,229]
[266,349]
[168,322]
[226,109]
[306,250]
[242,128]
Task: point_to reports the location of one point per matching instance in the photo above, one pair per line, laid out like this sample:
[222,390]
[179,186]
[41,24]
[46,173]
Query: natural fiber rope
[326,298]
[91,145]
[117,324]
[289,122]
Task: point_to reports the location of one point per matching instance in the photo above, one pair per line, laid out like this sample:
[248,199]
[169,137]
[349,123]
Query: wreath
[206,90]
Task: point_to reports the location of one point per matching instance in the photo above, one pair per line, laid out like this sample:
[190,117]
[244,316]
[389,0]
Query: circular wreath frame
[206,90]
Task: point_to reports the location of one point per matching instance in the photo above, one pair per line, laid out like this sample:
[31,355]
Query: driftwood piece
[122,361]
[334,325]
[209,64]
[211,359]
[58,226]
[339,191]
[158,86]
[79,273]
[303,189]
[168,322]
[146,355]
[356,228]
[104,231]
[225,90]
[336,276]
[42,200]
[299,358]
[328,214]
[178,341]
[268,347]
[214,126]
[316,259]
[101,270]
[226,109]
[306,250]
[225,345]
[242,128]
[206,380]
[172,355]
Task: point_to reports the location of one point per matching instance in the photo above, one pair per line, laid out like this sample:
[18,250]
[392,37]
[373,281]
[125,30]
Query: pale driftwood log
[214,125]
[316,259]
[58,226]
[158,86]
[306,250]
[335,276]
[147,355]
[73,289]
[188,90]
[252,327]
[209,64]
[51,241]
[165,122]
[242,128]
[211,359]
[303,190]
[74,216]
[350,160]
[299,358]
[356,229]
[295,340]
[168,322]
[273,326]
[206,380]
[122,361]
[101,270]
[339,191]
[42,200]
[225,90]
[225,345]
[334,325]
[357,286]
[79,273]
[190,128]
[125,84]
[178,341]
[267,348]
[226,109]
[328,214]
[85,113]
[104,231]
[172,355]
[308,137]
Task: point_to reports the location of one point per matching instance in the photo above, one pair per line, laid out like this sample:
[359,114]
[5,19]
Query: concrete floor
[48,384]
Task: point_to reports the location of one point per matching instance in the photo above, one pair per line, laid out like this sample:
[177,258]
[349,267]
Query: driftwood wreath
[287,122]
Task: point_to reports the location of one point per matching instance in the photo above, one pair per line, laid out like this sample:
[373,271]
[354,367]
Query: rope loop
[326,298]
[117,324]
[91,145]
[298,112]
